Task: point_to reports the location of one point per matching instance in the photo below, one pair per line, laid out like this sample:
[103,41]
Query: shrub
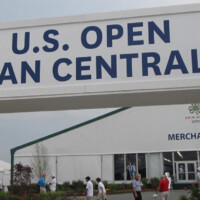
[183,197]
[194,191]
[121,186]
[50,196]
[5,196]
[112,186]
[145,182]
[65,186]
[35,188]
[78,186]
[21,179]
[95,185]
[154,182]
[193,198]
[105,183]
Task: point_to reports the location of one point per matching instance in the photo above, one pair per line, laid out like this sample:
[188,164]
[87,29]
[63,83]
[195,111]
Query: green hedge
[5,196]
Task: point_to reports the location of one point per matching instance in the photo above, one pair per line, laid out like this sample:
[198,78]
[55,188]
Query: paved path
[174,195]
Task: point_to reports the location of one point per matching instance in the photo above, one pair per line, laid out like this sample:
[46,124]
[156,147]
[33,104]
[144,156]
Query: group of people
[89,187]
[52,183]
[163,187]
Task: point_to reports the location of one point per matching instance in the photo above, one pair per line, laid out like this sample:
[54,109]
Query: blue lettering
[26,68]
[111,36]
[153,65]
[171,136]
[193,136]
[164,35]
[182,135]
[56,67]
[80,68]
[112,71]
[7,68]
[132,34]
[129,58]
[188,136]
[15,43]
[177,136]
[84,34]
[175,55]
[50,40]
[195,67]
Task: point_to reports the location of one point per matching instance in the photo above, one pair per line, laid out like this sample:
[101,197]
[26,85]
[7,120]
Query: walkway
[174,195]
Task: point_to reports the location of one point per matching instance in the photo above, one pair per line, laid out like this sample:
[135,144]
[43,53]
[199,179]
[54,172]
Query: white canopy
[4,165]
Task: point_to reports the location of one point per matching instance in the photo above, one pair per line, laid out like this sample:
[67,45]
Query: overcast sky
[19,128]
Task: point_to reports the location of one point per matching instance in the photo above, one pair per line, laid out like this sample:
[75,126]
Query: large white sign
[138,57]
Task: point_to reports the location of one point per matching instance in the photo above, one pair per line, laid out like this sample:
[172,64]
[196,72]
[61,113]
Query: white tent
[4,174]
[152,138]
[4,165]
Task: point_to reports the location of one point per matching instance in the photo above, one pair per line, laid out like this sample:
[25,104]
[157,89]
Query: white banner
[131,51]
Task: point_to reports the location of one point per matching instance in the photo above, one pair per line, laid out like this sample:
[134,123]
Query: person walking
[89,188]
[52,184]
[163,188]
[101,189]
[42,183]
[137,187]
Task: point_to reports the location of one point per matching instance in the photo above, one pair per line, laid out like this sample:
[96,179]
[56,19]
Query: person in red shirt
[163,188]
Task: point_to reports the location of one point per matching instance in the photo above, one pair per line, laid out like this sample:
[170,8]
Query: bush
[154,182]
[112,186]
[78,186]
[193,198]
[35,188]
[183,197]
[194,191]
[121,186]
[95,185]
[64,187]
[5,196]
[145,182]
[105,183]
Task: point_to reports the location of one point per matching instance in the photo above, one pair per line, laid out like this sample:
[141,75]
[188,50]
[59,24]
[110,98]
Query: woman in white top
[101,189]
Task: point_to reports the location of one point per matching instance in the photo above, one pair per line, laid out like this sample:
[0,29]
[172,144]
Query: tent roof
[4,165]
[13,150]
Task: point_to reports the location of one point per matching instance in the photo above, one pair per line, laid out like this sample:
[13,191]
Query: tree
[40,161]
[22,176]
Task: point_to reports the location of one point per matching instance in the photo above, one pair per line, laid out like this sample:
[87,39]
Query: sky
[19,128]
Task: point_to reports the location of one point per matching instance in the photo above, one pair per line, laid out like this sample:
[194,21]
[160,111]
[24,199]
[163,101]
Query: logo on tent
[194,110]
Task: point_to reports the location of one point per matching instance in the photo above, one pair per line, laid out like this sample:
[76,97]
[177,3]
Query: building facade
[149,140]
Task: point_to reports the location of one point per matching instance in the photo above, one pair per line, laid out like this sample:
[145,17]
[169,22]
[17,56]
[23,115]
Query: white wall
[140,129]
[135,130]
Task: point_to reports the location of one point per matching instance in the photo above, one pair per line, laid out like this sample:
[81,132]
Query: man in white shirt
[52,184]
[89,188]
[101,189]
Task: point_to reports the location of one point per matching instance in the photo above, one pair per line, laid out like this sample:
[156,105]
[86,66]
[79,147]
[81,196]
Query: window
[185,155]
[142,165]
[119,166]
[130,166]
[125,166]
[168,162]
